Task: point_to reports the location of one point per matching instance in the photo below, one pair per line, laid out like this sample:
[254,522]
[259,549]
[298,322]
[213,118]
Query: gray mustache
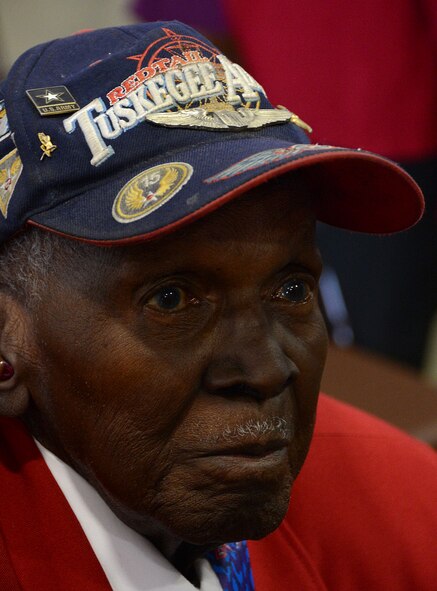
[256,428]
[252,430]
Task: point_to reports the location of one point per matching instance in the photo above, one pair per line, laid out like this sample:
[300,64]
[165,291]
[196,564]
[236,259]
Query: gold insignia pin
[46,145]
[297,120]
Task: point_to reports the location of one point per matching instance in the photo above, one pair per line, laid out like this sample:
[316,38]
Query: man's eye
[295,291]
[170,299]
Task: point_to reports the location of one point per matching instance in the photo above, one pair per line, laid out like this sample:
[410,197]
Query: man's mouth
[255,450]
[254,447]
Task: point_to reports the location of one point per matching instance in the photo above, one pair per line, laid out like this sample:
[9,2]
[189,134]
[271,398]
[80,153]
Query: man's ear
[15,350]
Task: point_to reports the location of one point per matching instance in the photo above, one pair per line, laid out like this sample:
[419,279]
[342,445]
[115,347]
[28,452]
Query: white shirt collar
[129,561]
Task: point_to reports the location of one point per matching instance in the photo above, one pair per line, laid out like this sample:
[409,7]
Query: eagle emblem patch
[149,190]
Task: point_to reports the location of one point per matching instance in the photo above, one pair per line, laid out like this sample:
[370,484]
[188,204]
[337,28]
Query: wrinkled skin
[154,363]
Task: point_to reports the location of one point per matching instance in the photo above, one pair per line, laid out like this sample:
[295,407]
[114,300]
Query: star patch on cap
[53,100]
[149,190]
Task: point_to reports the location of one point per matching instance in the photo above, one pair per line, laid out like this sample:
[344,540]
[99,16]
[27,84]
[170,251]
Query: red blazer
[363,516]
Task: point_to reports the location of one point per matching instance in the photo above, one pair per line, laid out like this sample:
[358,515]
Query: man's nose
[249,360]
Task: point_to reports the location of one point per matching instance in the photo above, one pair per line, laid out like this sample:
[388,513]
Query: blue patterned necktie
[231,564]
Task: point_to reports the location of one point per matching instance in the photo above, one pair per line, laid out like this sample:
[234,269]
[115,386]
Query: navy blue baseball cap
[127,133]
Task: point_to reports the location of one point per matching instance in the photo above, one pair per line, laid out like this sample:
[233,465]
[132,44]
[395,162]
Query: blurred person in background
[362,74]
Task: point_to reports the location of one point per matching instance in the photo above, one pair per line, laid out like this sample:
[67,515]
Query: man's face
[180,377]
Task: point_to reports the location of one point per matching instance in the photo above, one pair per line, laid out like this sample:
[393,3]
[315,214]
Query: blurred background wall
[24,23]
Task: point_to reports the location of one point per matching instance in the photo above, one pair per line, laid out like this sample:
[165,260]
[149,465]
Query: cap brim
[356,190]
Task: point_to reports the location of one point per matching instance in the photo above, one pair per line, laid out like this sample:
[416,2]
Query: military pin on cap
[297,120]
[46,145]
[52,100]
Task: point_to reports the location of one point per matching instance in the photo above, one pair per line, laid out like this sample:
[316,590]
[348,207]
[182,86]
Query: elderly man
[161,339]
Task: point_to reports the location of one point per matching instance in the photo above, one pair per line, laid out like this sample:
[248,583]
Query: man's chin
[253,519]
[210,513]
